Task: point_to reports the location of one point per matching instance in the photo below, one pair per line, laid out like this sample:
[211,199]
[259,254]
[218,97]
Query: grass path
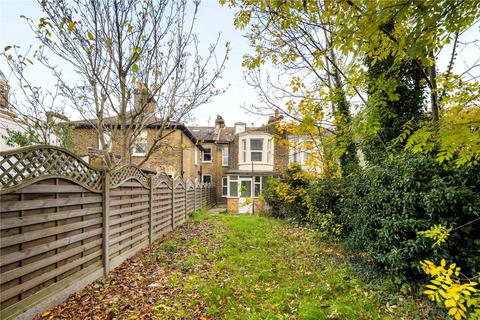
[233,267]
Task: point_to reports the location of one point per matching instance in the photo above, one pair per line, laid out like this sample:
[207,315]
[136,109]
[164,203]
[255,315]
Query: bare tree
[137,63]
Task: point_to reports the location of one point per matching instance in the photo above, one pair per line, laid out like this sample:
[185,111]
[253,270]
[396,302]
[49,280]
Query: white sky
[212,19]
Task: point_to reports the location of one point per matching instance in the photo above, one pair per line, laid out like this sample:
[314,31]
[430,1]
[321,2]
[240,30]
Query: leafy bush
[286,195]
[386,204]
[298,197]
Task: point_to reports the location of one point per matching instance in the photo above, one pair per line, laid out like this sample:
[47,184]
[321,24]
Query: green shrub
[286,195]
[324,198]
[386,204]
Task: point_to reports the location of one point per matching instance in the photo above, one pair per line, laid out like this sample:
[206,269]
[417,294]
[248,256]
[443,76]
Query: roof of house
[154,122]
[212,134]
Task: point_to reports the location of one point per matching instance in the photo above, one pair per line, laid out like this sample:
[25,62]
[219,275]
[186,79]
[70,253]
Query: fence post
[186,196]
[105,222]
[194,196]
[150,213]
[173,204]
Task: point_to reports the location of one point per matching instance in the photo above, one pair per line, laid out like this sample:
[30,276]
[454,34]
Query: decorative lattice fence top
[125,173]
[162,178]
[24,166]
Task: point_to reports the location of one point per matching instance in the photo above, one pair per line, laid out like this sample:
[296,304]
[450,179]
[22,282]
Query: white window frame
[230,180]
[257,151]
[225,155]
[107,137]
[142,137]
[225,185]
[211,155]
[246,150]
[207,175]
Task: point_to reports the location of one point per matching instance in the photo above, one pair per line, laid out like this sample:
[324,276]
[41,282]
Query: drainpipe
[253,191]
[181,154]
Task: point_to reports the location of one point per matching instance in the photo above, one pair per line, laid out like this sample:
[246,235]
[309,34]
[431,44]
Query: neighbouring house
[178,155]
[10,121]
[240,160]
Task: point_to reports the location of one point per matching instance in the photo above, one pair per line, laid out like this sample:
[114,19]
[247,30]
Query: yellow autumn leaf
[450,303]
[46,313]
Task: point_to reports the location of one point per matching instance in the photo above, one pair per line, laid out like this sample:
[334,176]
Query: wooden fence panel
[162,209]
[204,196]
[50,230]
[179,204]
[190,197]
[198,197]
[128,220]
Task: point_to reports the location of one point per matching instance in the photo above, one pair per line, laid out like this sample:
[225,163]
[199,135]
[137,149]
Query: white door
[245,201]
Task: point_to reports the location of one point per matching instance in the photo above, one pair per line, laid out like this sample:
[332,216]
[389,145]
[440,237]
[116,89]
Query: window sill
[256,162]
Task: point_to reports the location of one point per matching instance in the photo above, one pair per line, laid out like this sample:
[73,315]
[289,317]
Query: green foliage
[41,133]
[386,204]
[298,197]
[286,196]
[396,96]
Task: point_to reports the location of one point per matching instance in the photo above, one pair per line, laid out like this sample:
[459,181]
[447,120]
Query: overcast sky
[212,20]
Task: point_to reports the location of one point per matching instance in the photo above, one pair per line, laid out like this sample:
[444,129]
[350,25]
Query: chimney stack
[142,105]
[219,123]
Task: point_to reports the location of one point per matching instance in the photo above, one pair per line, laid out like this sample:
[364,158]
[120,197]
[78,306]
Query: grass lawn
[237,267]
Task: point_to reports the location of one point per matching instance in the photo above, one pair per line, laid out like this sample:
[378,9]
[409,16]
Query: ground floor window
[207,178]
[242,186]
[233,186]
[224,186]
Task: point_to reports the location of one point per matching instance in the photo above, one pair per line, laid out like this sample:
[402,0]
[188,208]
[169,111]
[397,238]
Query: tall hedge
[386,204]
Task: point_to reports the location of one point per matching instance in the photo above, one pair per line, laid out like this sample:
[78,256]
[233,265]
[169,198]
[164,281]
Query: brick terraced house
[240,160]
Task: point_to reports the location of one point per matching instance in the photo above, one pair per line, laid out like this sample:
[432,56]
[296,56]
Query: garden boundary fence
[64,224]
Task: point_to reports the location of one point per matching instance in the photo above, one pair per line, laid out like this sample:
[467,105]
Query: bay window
[256,150]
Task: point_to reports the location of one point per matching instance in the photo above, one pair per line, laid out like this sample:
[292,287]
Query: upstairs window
[107,138]
[244,150]
[207,154]
[269,150]
[140,147]
[256,149]
[225,152]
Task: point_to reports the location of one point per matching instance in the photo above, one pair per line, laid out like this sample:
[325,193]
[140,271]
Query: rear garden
[242,267]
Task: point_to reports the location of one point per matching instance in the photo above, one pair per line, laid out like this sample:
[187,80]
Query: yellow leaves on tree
[458,294]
